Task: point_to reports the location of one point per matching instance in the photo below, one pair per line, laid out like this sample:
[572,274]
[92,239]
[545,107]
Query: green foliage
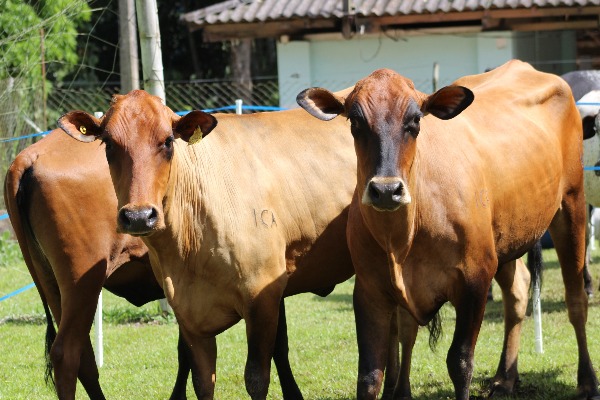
[10,253]
[23,25]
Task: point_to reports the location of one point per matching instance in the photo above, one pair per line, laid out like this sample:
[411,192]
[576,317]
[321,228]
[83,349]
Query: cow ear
[448,102]
[81,126]
[589,126]
[320,103]
[193,123]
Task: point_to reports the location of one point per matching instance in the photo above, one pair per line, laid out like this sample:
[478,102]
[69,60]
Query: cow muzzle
[386,194]
[138,220]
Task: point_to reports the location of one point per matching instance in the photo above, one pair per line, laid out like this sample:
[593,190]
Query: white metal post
[537,319]
[238,106]
[99,351]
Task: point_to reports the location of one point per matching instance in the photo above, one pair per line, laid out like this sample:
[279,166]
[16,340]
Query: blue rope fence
[16,292]
[224,108]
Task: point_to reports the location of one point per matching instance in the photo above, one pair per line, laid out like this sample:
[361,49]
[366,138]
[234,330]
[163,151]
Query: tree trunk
[128,47]
[241,51]
[152,65]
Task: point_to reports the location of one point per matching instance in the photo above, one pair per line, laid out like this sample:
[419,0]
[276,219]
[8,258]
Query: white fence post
[238,106]
[537,319]
[98,333]
[592,229]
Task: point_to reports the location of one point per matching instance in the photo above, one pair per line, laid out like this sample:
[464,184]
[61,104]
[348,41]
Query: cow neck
[395,232]
[182,203]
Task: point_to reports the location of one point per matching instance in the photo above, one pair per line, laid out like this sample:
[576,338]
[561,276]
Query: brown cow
[441,202]
[62,205]
[245,207]
[233,223]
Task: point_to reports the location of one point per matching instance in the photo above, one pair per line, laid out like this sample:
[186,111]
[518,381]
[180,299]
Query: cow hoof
[500,388]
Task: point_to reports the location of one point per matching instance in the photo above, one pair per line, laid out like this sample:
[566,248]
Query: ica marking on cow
[264,218]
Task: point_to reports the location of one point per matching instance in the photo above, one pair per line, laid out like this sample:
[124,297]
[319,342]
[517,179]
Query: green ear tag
[82,129]
[196,137]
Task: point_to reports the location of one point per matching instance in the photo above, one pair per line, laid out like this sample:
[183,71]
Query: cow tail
[17,198]
[535,265]
[50,337]
[435,330]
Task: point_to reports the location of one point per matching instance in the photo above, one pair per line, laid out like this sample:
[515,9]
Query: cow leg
[513,278]
[392,367]
[407,336]
[204,365]
[289,387]
[183,370]
[71,353]
[261,332]
[469,315]
[373,315]
[88,371]
[568,234]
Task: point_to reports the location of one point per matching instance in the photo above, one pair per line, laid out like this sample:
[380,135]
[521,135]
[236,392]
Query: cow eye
[169,142]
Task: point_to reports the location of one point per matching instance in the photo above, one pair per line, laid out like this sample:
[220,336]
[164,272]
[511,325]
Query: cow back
[519,140]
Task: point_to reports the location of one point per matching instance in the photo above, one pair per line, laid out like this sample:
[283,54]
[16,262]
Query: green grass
[140,347]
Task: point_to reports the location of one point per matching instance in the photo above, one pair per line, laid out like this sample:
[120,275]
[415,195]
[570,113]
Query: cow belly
[319,266]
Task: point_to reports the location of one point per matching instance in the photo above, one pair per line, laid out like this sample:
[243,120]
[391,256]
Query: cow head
[138,132]
[385,112]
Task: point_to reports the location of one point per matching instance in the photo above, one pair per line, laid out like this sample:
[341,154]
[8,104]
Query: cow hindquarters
[568,234]
[513,278]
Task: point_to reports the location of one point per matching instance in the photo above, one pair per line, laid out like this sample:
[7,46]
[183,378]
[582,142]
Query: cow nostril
[124,218]
[374,191]
[152,217]
[398,190]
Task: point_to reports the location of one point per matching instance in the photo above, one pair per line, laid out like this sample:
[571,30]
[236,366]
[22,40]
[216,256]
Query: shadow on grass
[117,316]
[494,310]
[533,386]
[34,319]
[342,298]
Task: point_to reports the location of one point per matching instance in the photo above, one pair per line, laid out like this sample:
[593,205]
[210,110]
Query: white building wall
[336,64]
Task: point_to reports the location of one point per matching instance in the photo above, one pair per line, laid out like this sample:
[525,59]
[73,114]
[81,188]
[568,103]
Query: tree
[36,32]
[38,42]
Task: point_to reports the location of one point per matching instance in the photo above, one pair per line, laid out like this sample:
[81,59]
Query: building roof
[267,18]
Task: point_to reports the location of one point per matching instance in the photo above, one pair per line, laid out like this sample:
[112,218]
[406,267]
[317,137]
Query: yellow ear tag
[82,129]
[196,137]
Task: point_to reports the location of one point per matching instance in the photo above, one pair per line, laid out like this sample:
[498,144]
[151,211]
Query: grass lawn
[140,357]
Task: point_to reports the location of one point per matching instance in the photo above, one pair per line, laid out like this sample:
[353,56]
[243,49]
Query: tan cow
[233,223]
[239,220]
[62,206]
[443,199]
